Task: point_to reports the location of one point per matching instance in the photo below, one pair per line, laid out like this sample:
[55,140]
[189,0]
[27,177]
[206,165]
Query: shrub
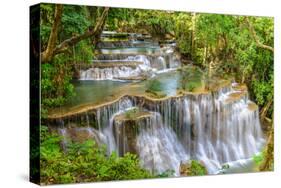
[154,85]
[193,168]
[191,78]
[84,162]
[197,169]
[131,114]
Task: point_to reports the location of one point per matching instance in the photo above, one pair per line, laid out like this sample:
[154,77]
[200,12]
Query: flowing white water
[158,147]
[163,62]
[212,130]
[63,133]
[118,72]
[105,116]
[205,127]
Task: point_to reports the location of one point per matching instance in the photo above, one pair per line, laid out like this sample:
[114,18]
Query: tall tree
[54,49]
[48,54]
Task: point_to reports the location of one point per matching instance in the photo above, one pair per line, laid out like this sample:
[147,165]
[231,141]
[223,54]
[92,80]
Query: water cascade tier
[150,57]
[215,128]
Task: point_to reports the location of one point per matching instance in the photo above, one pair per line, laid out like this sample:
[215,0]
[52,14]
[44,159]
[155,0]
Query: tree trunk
[265,109]
[268,161]
[48,54]
[193,35]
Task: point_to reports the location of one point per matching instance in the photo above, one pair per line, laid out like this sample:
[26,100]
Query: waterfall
[219,129]
[122,72]
[212,130]
[63,133]
[151,64]
[105,116]
[107,73]
[158,147]
[80,134]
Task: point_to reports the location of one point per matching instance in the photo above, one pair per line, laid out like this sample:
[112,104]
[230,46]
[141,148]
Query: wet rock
[80,135]
[126,127]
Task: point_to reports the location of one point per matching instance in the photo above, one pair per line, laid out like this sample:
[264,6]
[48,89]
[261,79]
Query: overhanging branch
[256,38]
[73,40]
[53,49]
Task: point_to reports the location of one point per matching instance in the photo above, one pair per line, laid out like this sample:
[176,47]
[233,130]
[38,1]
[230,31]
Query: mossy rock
[126,127]
[192,168]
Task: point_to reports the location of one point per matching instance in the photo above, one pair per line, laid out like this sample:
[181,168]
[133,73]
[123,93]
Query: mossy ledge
[141,100]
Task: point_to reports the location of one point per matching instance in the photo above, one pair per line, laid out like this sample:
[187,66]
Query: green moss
[131,114]
[193,168]
[258,159]
[197,169]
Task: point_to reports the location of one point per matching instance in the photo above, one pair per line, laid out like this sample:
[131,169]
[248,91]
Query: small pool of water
[95,92]
[98,91]
[92,91]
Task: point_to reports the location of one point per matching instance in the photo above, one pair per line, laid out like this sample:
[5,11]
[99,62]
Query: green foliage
[183,29]
[263,91]
[74,21]
[223,39]
[155,88]
[259,158]
[131,114]
[193,168]
[84,162]
[191,78]
[120,18]
[83,52]
[157,22]
[167,173]
[190,86]
[197,169]
[154,85]
[46,21]
[56,76]
[227,41]
[55,82]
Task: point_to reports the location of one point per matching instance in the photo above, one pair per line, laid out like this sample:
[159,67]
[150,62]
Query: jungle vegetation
[240,46]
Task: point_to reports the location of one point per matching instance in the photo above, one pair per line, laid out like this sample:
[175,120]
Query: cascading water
[212,130]
[162,62]
[107,73]
[105,117]
[117,72]
[159,148]
[206,127]
[219,128]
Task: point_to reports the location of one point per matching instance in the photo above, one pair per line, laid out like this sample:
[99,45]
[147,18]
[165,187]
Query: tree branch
[265,109]
[255,37]
[49,52]
[53,49]
[90,33]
